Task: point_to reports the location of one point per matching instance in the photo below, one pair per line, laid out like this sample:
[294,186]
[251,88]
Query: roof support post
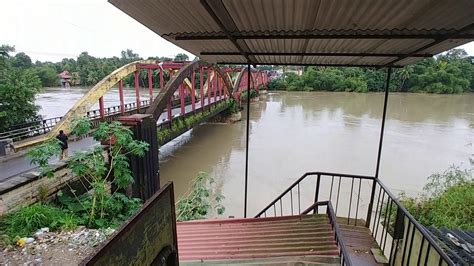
[379,153]
[247,141]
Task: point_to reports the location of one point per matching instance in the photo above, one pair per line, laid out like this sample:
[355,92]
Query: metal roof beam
[220,15]
[317,54]
[233,36]
[304,64]
[433,43]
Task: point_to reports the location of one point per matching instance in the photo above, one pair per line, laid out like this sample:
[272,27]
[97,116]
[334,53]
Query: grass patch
[25,221]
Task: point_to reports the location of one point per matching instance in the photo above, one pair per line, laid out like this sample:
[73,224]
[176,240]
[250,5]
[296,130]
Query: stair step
[241,245]
[267,250]
[254,231]
[243,226]
[258,255]
[312,239]
[257,221]
[274,261]
[309,235]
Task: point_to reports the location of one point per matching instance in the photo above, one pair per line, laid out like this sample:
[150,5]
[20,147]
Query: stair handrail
[301,179]
[343,252]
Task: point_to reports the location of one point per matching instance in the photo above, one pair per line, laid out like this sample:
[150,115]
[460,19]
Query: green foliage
[441,182]
[117,208]
[234,107]
[181,57]
[41,154]
[81,126]
[449,73]
[100,173]
[18,88]
[100,169]
[26,220]
[201,199]
[447,201]
[21,60]
[179,124]
[253,94]
[47,74]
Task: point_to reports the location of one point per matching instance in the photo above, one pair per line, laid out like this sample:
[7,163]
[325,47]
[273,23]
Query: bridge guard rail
[148,237]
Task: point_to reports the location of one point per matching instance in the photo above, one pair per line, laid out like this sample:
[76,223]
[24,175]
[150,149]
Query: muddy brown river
[295,132]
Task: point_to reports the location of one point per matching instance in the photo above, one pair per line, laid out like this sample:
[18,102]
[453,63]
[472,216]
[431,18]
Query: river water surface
[296,132]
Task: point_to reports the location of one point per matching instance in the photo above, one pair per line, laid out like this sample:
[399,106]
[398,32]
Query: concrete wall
[25,189]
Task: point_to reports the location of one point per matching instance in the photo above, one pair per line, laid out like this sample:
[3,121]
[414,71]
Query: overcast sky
[49,30]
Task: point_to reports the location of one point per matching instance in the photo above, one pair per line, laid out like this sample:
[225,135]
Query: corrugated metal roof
[457,243]
[230,239]
[234,31]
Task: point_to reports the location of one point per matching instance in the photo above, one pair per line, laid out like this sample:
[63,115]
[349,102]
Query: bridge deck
[16,165]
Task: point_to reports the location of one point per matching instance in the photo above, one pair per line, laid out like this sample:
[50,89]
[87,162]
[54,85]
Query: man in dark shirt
[63,138]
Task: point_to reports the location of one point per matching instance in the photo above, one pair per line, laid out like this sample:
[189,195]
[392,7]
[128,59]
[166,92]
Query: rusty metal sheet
[141,239]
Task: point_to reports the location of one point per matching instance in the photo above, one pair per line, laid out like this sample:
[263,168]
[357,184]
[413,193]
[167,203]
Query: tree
[18,88]
[405,74]
[47,75]
[128,56]
[22,60]
[5,49]
[181,57]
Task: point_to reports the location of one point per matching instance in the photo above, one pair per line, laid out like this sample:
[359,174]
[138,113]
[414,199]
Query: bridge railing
[40,127]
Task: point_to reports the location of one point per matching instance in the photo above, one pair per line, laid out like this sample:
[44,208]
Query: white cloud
[49,30]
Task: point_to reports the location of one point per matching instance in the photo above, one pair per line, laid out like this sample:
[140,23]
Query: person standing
[63,139]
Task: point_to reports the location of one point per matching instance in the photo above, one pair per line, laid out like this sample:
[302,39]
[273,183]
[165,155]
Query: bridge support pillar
[145,169]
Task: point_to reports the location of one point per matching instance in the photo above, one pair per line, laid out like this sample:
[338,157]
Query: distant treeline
[452,72]
[21,79]
[86,70]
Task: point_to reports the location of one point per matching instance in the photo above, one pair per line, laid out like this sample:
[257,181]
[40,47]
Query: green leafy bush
[116,208]
[447,201]
[200,200]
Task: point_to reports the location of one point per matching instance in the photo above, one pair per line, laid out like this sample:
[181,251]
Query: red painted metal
[181,96]
[137,89]
[165,65]
[283,236]
[208,85]
[101,107]
[201,85]
[150,84]
[169,106]
[122,103]
[193,93]
[162,81]
[215,85]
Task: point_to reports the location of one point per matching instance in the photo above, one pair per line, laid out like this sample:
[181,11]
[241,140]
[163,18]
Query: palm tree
[405,74]
[5,49]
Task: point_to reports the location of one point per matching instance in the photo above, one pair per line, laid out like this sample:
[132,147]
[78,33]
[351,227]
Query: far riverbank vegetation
[448,73]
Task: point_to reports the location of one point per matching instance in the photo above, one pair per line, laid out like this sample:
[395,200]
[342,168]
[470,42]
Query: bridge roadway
[21,164]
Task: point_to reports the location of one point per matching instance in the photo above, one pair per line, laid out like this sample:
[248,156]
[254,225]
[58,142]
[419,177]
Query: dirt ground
[53,248]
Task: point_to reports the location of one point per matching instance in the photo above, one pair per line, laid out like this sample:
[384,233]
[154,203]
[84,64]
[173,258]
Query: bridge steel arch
[220,80]
[161,100]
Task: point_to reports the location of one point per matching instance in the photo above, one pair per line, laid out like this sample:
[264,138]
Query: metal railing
[400,237]
[409,239]
[343,252]
[40,127]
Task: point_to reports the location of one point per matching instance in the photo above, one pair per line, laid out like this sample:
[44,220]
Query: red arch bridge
[176,90]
